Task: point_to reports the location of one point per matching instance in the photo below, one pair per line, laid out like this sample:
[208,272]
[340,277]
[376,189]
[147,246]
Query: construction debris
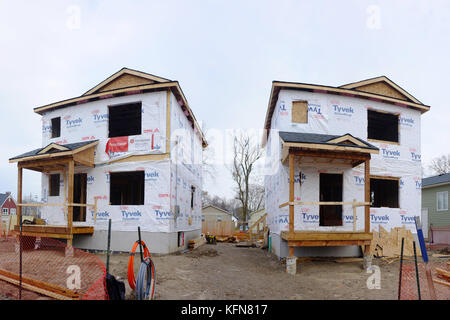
[443,274]
[343,260]
[222,238]
[388,244]
[248,244]
[194,244]
[444,277]
[438,255]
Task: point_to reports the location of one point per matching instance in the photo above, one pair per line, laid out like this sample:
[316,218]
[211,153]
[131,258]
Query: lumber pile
[194,244]
[444,277]
[40,287]
[222,238]
[388,244]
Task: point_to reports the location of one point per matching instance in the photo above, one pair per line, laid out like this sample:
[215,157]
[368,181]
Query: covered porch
[320,149]
[59,158]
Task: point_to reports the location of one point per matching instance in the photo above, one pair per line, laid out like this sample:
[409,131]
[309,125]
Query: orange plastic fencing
[409,288]
[50,270]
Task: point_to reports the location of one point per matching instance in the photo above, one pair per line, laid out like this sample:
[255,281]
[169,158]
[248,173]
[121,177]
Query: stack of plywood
[388,244]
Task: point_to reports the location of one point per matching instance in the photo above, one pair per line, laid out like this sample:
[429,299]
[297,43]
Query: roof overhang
[279,85]
[436,185]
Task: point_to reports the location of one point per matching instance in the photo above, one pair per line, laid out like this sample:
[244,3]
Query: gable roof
[61,149]
[376,89]
[383,86]
[436,180]
[128,82]
[3,197]
[305,139]
[123,78]
[220,209]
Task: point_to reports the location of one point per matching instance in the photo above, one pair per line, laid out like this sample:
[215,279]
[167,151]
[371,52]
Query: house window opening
[382,126]
[54,185]
[125,120]
[442,201]
[384,193]
[192,196]
[127,188]
[56,127]
[300,111]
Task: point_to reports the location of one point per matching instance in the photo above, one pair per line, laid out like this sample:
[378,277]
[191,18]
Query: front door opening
[79,196]
[330,190]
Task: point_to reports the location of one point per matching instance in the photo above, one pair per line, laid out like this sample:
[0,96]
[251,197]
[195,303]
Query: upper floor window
[125,120]
[56,127]
[300,111]
[382,126]
[5,211]
[442,201]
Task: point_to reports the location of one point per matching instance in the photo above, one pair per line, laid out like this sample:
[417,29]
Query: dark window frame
[125,119]
[56,127]
[383,126]
[192,197]
[53,185]
[385,192]
[127,188]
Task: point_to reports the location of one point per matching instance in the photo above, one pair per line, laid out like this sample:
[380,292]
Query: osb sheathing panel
[383,89]
[388,244]
[125,80]
[299,111]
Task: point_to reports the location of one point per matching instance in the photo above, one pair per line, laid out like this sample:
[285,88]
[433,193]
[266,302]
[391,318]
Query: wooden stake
[19,193]
[291,192]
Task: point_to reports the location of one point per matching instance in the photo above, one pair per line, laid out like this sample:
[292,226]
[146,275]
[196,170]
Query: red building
[7,204]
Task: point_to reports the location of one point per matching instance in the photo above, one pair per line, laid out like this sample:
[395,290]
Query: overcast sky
[225,55]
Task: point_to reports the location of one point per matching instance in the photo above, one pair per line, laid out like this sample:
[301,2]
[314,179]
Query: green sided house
[435,210]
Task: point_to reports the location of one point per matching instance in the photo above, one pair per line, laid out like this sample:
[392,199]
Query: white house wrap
[166,146]
[336,111]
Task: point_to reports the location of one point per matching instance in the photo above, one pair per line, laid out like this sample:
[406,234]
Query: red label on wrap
[118,144]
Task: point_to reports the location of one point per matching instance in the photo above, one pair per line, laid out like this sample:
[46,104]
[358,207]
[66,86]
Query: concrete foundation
[281,249]
[157,242]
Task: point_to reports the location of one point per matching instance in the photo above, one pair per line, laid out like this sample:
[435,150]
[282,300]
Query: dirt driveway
[224,271]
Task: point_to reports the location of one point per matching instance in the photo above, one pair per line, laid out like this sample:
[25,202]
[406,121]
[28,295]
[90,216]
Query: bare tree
[440,164]
[246,152]
[255,197]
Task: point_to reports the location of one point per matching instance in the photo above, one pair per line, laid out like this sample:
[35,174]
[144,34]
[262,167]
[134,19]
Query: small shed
[213,213]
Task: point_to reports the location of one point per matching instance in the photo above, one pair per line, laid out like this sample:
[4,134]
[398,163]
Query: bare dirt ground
[224,271]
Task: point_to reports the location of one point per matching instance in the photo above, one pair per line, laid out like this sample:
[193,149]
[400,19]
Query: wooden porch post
[70,200]
[291,199]
[367,195]
[19,194]
[367,199]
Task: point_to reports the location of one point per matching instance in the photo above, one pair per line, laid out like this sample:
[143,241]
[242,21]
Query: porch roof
[54,155]
[320,141]
[51,149]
